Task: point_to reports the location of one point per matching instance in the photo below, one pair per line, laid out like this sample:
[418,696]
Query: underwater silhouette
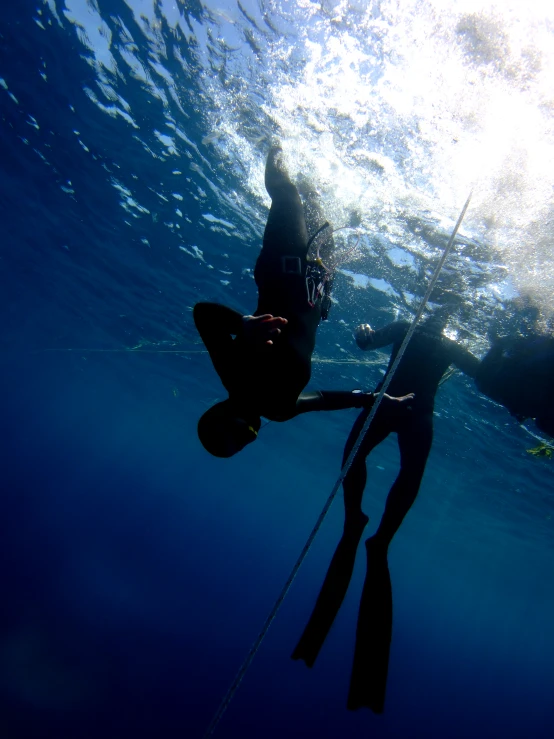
[427,357]
[518,373]
[268,363]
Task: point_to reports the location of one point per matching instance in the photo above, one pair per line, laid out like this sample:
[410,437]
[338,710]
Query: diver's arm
[214,320]
[465,361]
[333,400]
[337,400]
[367,338]
[490,365]
[216,325]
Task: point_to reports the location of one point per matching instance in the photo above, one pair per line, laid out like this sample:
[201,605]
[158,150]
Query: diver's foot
[306,188]
[354,219]
[276,174]
[275,148]
[275,159]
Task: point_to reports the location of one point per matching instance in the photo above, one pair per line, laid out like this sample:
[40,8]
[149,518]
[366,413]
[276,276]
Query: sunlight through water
[395,110]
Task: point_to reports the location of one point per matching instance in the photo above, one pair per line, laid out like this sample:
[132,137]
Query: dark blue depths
[136,571]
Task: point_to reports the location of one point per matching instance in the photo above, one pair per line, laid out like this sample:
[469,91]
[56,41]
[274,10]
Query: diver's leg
[374,630]
[280,271]
[355,481]
[415,437]
[340,570]
[321,244]
[316,223]
[285,232]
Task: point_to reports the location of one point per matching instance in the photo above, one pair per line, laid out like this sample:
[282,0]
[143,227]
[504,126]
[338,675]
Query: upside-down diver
[267,364]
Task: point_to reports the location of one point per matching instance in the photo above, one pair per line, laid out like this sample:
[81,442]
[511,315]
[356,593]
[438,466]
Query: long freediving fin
[368,682]
[331,595]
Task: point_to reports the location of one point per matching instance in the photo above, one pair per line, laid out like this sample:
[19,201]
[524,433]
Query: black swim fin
[332,593]
[368,682]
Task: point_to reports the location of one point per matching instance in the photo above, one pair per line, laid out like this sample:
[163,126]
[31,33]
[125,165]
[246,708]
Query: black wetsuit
[426,359]
[267,379]
[519,373]
[263,379]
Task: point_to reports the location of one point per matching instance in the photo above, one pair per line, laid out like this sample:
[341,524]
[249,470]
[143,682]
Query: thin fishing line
[269,620]
[130,350]
[127,351]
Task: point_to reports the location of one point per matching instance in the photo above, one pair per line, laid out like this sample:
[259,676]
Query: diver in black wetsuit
[426,359]
[268,363]
[518,372]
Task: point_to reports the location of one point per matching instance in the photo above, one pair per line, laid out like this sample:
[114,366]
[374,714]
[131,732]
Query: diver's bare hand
[389,402]
[262,329]
[363,335]
[404,400]
[399,405]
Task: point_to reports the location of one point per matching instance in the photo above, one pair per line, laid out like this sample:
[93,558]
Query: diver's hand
[363,335]
[404,400]
[261,329]
[397,406]
[402,403]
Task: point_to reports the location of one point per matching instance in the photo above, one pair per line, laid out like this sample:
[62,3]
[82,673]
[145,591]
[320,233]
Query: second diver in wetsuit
[264,360]
[426,359]
[518,372]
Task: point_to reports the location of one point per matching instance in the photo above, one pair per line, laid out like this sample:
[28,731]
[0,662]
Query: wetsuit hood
[224,431]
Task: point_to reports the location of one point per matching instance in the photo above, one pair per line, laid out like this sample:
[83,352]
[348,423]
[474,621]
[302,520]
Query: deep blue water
[136,571]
